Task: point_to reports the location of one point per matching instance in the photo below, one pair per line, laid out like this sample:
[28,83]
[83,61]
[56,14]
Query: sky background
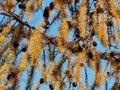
[37,18]
[53,31]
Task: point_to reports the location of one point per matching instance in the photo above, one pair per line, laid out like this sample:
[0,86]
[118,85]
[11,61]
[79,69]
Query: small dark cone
[74,84]
[80,49]
[51,6]
[69,24]
[51,87]
[77,35]
[112,54]
[21,6]
[92,34]
[94,44]
[41,81]
[100,10]
[0,30]
[15,44]
[24,49]
[90,55]
[8,77]
[83,45]
[76,1]
[46,13]
[108,73]
[81,64]
[13,74]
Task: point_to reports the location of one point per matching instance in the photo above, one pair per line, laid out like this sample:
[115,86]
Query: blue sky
[37,18]
[53,31]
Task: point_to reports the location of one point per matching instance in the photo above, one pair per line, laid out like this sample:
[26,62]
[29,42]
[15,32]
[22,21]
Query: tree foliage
[83,27]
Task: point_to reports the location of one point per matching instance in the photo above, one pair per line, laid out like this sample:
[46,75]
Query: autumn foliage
[73,39]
